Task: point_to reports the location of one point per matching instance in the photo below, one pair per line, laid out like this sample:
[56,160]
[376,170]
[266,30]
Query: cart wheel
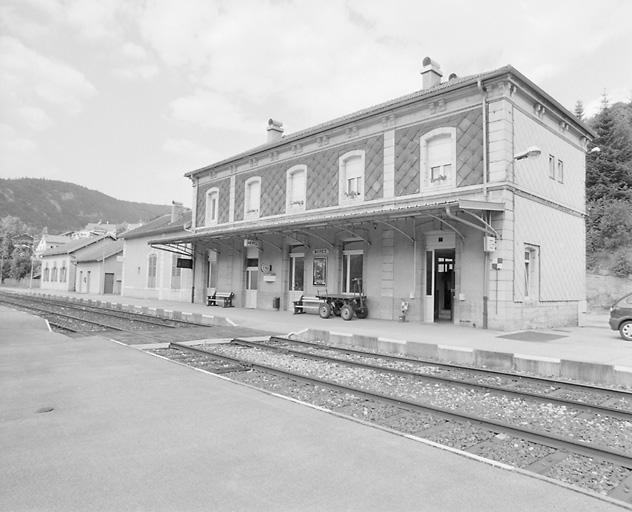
[346,312]
[324,310]
[362,312]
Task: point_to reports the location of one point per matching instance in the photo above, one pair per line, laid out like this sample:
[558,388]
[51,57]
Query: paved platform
[593,343]
[129,431]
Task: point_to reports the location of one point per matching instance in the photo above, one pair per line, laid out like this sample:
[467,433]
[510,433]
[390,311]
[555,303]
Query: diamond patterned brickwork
[272,190]
[469,151]
[322,178]
[222,207]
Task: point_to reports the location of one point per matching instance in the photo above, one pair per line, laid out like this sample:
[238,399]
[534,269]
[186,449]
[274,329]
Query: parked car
[621,317]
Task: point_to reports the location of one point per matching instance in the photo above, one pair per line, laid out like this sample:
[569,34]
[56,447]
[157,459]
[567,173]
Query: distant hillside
[62,206]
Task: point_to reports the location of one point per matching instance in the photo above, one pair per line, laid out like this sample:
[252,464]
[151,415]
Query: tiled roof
[73,246]
[57,238]
[455,83]
[102,250]
[159,225]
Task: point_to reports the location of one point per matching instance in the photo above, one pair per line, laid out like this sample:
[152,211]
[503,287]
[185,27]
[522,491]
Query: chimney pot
[430,73]
[275,130]
[177,211]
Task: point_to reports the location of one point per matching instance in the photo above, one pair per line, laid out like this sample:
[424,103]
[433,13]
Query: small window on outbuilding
[151,270]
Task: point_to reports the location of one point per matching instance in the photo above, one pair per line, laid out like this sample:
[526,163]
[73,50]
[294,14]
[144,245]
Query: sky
[125,96]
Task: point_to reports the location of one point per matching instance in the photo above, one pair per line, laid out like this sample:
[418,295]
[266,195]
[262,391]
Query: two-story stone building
[465,200]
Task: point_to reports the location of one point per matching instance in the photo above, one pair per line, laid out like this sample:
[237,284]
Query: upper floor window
[551,167]
[212,202]
[351,173]
[151,271]
[560,171]
[252,198]
[295,186]
[438,158]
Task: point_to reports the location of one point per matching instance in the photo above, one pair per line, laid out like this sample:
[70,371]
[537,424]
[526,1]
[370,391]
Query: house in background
[463,202]
[99,268]
[149,272]
[49,242]
[58,265]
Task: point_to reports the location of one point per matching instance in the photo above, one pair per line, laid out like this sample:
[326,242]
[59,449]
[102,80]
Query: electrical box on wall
[489,243]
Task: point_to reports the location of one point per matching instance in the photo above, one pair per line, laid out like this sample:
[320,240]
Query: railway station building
[462,202]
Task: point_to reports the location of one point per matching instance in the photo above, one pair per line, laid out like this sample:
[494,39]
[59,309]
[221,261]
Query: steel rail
[591,450]
[65,315]
[538,397]
[102,311]
[107,311]
[450,366]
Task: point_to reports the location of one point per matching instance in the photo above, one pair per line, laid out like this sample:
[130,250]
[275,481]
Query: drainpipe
[479,84]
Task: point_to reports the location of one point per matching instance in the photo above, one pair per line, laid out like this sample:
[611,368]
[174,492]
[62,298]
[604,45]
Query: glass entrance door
[252,282]
[444,285]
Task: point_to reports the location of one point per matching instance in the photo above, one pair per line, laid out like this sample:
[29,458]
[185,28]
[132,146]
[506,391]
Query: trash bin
[276,303]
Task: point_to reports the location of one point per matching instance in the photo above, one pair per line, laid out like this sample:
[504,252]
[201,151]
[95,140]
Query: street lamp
[530,152]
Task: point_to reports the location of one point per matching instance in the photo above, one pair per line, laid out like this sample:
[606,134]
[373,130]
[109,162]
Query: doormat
[532,336]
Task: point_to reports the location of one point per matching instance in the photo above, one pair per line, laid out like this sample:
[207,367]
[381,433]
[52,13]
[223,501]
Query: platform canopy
[403,216]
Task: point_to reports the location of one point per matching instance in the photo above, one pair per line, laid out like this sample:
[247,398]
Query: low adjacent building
[99,269]
[151,273]
[59,264]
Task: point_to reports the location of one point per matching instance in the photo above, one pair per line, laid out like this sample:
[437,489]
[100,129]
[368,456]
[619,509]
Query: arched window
[295,186]
[212,203]
[252,199]
[438,159]
[46,273]
[151,271]
[54,273]
[62,274]
[351,175]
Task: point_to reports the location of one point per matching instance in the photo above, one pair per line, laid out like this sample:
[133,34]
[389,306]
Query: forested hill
[62,206]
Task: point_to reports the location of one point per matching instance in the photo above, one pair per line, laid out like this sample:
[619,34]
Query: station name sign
[321,251]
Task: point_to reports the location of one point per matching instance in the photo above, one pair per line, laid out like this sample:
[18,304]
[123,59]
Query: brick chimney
[177,211]
[275,130]
[430,73]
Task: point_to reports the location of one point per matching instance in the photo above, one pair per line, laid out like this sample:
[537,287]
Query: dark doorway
[444,285]
[108,283]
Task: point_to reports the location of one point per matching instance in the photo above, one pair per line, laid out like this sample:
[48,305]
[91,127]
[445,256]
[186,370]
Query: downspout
[481,88]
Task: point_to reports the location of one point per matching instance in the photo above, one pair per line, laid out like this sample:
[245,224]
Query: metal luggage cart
[346,305]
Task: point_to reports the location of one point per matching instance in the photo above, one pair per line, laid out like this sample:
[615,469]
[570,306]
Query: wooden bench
[307,303]
[226,298]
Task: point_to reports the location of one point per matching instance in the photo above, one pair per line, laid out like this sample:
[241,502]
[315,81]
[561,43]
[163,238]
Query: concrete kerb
[544,366]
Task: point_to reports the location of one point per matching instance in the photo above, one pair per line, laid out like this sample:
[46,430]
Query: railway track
[591,398]
[397,410]
[117,313]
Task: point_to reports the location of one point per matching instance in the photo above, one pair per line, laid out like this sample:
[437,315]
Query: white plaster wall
[562,241]
[532,174]
[135,266]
